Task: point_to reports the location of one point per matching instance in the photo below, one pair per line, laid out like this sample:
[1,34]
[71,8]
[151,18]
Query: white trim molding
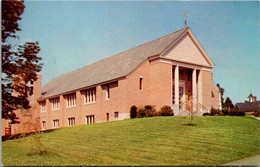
[181,64]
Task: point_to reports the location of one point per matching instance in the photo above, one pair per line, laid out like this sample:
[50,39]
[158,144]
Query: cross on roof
[185,15]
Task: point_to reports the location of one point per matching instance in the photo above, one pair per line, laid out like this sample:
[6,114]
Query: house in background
[172,70]
[249,106]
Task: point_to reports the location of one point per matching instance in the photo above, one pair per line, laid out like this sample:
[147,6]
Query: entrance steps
[187,113]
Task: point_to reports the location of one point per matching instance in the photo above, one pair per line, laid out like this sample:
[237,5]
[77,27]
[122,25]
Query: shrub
[234,111]
[213,111]
[206,114]
[225,112]
[241,113]
[146,111]
[166,111]
[150,111]
[141,112]
[256,113]
[133,111]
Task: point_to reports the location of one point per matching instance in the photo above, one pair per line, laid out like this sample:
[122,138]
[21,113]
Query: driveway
[251,161]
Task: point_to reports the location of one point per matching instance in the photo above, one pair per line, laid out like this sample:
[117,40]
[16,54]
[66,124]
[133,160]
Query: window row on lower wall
[89,119]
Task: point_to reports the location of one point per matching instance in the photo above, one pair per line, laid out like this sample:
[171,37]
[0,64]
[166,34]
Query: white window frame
[107,92]
[71,121]
[56,123]
[55,103]
[43,125]
[43,106]
[71,100]
[90,119]
[90,96]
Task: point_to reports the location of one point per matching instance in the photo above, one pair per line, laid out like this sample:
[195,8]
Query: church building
[172,70]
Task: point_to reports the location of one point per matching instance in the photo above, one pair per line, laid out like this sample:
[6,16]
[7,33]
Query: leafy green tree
[228,104]
[19,64]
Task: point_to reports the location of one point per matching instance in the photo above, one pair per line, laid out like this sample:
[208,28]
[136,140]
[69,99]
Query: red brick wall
[156,90]
[208,87]
[20,128]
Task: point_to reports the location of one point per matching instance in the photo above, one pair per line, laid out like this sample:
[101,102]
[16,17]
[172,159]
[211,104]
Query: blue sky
[73,34]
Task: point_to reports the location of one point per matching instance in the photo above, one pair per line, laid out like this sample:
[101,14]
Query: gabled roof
[111,68]
[248,106]
[250,96]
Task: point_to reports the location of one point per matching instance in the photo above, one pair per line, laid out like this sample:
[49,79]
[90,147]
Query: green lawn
[147,141]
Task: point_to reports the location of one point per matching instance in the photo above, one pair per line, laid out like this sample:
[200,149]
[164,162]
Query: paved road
[251,161]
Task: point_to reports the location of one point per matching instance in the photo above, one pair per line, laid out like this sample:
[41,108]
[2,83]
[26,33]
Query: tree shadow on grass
[21,135]
[189,124]
[38,153]
[43,153]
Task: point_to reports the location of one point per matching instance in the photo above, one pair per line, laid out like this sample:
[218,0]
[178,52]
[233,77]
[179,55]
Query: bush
[146,111]
[235,111]
[220,112]
[213,111]
[141,112]
[225,112]
[256,113]
[206,114]
[133,111]
[166,111]
[241,113]
[150,111]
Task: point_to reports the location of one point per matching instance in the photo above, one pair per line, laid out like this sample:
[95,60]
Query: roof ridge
[153,40]
[137,46]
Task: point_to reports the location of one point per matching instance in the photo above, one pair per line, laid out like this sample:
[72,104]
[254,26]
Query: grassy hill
[147,141]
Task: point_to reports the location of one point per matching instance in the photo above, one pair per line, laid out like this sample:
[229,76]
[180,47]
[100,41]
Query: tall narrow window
[212,94]
[107,116]
[90,96]
[116,115]
[43,125]
[55,103]
[90,119]
[107,92]
[181,75]
[55,124]
[43,106]
[140,83]
[71,100]
[71,121]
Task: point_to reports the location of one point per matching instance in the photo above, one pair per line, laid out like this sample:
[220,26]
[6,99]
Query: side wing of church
[172,70]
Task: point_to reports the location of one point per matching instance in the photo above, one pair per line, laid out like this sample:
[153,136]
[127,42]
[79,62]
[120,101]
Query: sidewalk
[251,161]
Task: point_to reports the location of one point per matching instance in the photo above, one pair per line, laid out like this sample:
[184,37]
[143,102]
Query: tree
[33,125]
[19,64]
[188,105]
[221,90]
[228,105]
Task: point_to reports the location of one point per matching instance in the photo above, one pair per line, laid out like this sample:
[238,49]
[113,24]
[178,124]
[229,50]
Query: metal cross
[185,15]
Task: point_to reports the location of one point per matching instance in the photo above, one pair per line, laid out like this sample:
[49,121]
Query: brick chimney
[255,99]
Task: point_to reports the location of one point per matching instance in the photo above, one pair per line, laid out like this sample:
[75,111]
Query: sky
[73,34]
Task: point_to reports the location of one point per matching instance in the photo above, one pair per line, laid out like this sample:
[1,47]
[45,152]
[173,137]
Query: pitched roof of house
[250,95]
[248,106]
[111,68]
